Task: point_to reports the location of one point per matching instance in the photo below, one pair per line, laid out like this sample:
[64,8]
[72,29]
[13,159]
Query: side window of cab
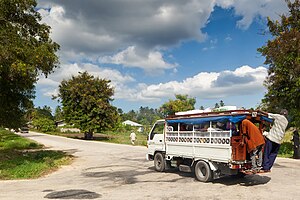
[157,129]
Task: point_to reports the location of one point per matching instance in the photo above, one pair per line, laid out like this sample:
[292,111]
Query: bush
[286,149]
[44,124]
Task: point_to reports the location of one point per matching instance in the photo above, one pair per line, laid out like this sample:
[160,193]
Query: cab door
[156,140]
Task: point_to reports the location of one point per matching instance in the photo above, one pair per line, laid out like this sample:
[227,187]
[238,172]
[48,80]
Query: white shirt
[278,129]
[132,136]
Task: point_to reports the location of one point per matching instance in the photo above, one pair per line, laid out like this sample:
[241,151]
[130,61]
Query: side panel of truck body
[207,145]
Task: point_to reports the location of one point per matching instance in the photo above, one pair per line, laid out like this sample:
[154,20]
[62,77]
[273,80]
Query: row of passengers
[219,126]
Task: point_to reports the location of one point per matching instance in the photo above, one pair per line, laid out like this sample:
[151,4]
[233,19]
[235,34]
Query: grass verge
[112,137]
[21,158]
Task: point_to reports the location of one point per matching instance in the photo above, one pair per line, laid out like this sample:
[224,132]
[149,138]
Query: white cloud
[251,9]
[205,85]
[228,39]
[243,80]
[212,45]
[131,58]
[49,86]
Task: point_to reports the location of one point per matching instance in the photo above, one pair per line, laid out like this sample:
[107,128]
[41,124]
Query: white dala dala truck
[208,144]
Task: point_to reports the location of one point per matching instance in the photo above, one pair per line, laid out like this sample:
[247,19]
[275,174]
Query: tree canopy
[181,103]
[58,115]
[145,115]
[86,103]
[282,54]
[26,51]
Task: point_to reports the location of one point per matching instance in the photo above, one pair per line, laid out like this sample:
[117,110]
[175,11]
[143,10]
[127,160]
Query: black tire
[203,172]
[159,162]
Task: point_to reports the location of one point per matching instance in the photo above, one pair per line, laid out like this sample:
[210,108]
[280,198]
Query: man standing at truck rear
[254,143]
[273,139]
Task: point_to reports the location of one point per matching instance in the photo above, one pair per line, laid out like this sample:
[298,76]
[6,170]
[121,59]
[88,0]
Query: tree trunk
[296,145]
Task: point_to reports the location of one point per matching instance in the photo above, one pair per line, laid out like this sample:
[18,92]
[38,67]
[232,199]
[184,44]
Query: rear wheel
[159,162]
[203,172]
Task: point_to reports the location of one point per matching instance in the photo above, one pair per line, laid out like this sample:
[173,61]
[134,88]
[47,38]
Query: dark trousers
[270,153]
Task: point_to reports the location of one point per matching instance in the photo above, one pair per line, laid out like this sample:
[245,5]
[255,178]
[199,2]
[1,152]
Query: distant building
[131,123]
[61,124]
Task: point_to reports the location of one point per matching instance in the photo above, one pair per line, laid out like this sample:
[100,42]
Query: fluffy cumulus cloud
[133,58]
[49,85]
[243,80]
[205,85]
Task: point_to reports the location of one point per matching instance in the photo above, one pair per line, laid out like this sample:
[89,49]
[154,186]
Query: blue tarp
[266,119]
[233,119]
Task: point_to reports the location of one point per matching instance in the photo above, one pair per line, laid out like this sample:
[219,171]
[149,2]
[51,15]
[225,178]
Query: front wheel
[159,162]
[203,172]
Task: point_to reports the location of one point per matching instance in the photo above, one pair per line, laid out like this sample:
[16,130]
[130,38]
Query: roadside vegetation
[118,136]
[286,148]
[21,158]
[111,137]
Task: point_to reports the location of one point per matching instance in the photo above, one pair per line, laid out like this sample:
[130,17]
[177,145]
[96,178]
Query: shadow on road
[249,180]
[129,174]
[125,174]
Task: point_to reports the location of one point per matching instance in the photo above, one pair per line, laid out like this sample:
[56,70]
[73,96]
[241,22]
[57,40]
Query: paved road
[111,171]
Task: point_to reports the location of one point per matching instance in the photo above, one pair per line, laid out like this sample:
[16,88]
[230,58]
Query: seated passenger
[205,128]
[221,126]
[232,127]
[182,127]
[254,143]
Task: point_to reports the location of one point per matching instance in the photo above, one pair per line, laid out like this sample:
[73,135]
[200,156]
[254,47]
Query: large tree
[86,103]
[26,51]
[181,103]
[147,116]
[282,54]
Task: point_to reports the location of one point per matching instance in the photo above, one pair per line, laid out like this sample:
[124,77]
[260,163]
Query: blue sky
[152,50]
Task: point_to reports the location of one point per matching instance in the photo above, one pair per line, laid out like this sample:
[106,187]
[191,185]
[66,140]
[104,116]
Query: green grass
[21,158]
[111,137]
[122,138]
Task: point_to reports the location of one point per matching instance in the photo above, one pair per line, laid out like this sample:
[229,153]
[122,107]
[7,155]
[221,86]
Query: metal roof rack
[252,113]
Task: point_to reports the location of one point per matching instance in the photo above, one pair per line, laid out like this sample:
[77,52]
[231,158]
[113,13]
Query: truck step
[185,168]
